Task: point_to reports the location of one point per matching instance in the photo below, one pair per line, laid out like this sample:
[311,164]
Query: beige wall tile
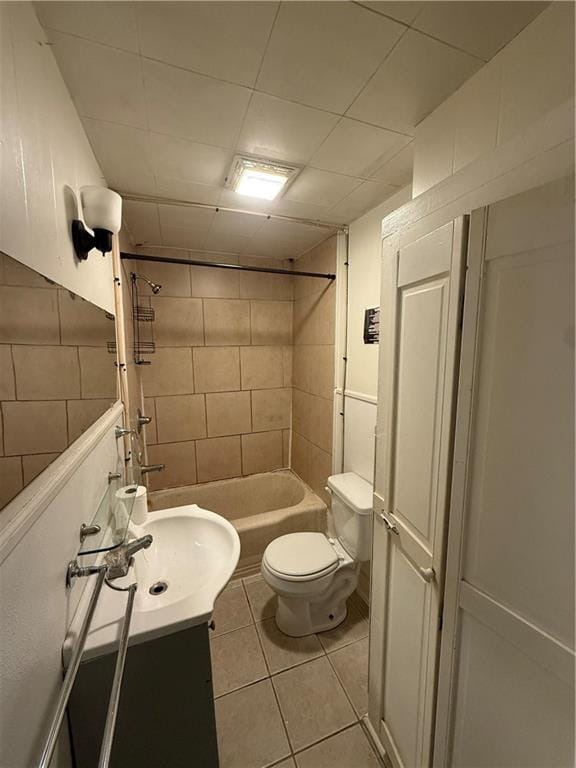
[271,409]
[83,323]
[178,322]
[15,273]
[301,412]
[261,452]
[7,387]
[286,448]
[180,417]
[49,373]
[320,362]
[97,372]
[228,413]
[10,479]
[319,472]
[210,283]
[227,322]
[300,458]
[34,427]
[216,369]
[35,463]
[218,458]
[302,366]
[29,316]
[320,432]
[262,367]
[150,430]
[82,414]
[169,374]
[174,278]
[180,461]
[1,432]
[254,285]
[287,364]
[271,322]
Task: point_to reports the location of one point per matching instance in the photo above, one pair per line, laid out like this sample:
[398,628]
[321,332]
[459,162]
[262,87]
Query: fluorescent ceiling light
[259,178]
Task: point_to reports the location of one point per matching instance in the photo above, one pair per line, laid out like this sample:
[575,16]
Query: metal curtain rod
[218,208]
[241,267]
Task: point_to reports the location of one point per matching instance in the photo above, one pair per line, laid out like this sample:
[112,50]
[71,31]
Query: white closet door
[411,486]
[507,667]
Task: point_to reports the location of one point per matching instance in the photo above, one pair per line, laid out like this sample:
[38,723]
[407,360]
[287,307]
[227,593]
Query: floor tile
[351,665]
[354,627]
[286,763]
[262,598]
[231,610]
[282,651]
[237,660]
[359,603]
[313,702]
[250,730]
[349,749]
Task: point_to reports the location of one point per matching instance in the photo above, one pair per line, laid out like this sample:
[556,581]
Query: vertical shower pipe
[340,351]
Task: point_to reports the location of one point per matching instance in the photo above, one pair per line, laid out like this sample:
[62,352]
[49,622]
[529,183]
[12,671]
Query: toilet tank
[352,513]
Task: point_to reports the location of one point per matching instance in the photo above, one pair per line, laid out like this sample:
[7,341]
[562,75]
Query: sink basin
[191,559]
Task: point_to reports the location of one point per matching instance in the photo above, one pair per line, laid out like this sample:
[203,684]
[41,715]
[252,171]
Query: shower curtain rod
[217,265]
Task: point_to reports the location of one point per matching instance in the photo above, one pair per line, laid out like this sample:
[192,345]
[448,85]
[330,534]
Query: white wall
[45,159]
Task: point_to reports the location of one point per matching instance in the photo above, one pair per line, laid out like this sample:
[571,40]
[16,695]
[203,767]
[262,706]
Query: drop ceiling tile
[419,74]
[180,237]
[398,170]
[283,130]
[187,190]
[123,155]
[304,235]
[142,221]
[362,199]
[480,28]
[357,149]
[225,39]
[180,216]
[226,243]
[104,83]
[404,11]
[321,187]
[192,106]
[321,54]
[242,224]
[109,23]
[188,160]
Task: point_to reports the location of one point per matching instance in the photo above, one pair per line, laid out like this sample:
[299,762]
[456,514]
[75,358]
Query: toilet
[313,574]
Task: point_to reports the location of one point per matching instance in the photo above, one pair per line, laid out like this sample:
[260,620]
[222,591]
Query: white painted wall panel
[359,426]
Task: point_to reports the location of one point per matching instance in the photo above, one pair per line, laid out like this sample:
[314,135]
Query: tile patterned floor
[288,702]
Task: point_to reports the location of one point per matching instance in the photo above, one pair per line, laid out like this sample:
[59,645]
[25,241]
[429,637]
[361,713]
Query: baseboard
[375,741]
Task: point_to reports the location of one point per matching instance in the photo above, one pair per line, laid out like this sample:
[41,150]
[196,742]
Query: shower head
[156,287]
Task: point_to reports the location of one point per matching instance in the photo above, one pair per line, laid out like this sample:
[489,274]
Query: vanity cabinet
[166,712]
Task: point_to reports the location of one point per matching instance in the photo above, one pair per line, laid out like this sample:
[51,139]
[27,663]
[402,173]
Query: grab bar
[71,672]
[112,713]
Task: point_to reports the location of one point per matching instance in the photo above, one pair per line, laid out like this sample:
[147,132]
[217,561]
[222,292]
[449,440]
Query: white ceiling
[169,91]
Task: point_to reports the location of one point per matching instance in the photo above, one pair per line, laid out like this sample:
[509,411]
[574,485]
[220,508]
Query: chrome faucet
[145,468]
[119,560]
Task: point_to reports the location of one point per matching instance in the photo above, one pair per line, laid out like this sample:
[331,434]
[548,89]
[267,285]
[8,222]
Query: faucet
[119,560]
[145,468]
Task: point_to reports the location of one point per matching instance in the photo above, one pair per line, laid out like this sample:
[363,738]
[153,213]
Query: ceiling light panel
[260,178]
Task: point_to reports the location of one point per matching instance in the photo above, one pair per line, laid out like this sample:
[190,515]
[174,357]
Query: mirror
[57,372]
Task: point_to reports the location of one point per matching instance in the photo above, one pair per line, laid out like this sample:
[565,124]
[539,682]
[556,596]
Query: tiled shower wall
[219,384]
[313,377]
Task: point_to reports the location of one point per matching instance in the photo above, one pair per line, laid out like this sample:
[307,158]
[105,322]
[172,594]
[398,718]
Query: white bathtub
[260,507]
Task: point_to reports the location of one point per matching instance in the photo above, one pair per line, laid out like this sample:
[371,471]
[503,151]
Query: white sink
[194,553]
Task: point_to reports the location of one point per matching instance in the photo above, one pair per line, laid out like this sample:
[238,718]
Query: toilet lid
[298,555]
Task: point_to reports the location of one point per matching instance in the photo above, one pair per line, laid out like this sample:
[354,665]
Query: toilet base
[301,616]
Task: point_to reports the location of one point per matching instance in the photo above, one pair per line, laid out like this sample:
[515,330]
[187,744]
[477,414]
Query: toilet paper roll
[138,499]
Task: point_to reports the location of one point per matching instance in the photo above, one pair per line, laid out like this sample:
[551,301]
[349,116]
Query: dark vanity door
[166,713]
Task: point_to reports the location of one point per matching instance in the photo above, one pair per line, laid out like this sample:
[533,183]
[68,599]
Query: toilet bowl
[313,574]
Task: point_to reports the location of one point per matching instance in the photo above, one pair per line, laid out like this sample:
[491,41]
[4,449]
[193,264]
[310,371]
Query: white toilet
[314,575]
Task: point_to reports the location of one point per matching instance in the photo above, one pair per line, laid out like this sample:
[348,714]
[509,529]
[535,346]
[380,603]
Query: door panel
[506,682]
[419,369]
[414,432]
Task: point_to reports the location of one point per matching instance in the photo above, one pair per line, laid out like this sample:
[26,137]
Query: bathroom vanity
[166,711]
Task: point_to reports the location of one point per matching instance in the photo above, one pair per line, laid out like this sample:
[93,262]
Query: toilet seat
[305,556]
